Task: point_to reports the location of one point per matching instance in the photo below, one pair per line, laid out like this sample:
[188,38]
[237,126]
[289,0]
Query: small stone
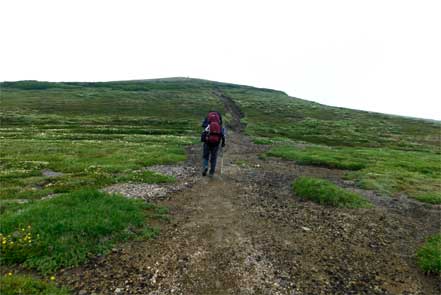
[82,292]
[118,290]
[50,173]
[305,228]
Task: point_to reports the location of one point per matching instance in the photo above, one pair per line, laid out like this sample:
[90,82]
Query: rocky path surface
[243,232]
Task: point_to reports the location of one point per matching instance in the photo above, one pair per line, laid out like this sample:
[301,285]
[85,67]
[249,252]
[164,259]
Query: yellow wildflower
[52,278]
[9,273]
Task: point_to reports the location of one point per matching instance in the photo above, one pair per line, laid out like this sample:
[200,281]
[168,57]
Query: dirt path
[243,232]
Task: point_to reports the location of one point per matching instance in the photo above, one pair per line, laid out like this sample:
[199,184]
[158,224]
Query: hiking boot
[204,172]
[211,172]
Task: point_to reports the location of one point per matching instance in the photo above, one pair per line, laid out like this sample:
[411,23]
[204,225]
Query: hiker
[212,136]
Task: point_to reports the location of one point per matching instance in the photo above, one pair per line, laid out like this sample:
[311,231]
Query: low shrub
[432,198]
[326,193]
[429,255]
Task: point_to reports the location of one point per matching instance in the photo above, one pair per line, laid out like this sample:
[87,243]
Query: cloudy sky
[373,55]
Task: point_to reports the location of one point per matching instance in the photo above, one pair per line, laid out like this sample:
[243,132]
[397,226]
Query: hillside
[261,225]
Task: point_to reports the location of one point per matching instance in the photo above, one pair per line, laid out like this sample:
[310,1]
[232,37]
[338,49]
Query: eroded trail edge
[231,108]
[243,232]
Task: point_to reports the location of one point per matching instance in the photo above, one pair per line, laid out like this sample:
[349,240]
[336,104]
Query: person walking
[213,136]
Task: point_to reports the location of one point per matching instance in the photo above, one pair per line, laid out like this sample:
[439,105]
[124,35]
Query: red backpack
[213,117]
[214,132]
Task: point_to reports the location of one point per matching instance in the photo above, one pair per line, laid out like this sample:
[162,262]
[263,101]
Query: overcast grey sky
[373,55]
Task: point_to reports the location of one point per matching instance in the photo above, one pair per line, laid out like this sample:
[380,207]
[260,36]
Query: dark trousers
[210,154]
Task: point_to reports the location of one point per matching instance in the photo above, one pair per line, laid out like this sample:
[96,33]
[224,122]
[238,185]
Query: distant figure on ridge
[212,136]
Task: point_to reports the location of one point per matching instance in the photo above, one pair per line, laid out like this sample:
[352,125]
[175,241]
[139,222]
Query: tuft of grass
[429,255]
[25,285]
[326,193]
[66,230]
[432,198]
[262,140]
[145,177]
[242,163]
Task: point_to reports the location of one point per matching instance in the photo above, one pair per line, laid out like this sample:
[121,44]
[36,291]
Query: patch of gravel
[148,192]
[51,196]
[185,177]
[178,171]
[18,201]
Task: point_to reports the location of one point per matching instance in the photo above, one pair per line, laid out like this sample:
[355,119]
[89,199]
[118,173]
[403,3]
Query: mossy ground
[67,230]
[11,284]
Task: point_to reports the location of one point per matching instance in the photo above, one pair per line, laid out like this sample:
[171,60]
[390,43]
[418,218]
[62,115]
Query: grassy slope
[101,133]
[391,154]
[94,133]
[274,115]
